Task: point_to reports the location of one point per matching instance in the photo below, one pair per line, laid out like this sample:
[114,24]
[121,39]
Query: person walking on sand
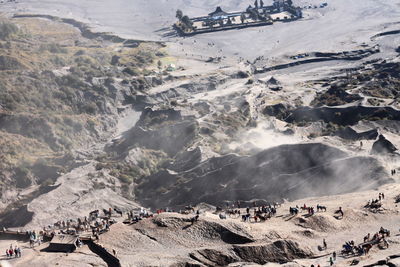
[330,261]
[324,244]
[334,255]
[340,211]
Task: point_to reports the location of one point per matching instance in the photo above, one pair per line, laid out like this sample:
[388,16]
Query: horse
[118,211]
[106,212]
[367,237]
[321,208]
[94,213]
[347,249]
[233,213]
[194,219]
[384,232]
[263,218]
[366,248]
[246,217]
[293,211]
[276,204]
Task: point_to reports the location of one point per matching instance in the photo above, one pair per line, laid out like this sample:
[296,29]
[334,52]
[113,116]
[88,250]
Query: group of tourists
[94,223]
[13,252]
[260,213]
[375,204]
[35,238]
[379,238]
[135,216]
[310,209]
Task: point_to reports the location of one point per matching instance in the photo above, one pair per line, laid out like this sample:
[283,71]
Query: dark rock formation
[16,218]
[349,133]
[288,171]
[280,251]
[337,115]
[240,75]
[273,84]
[281,110]
[164,130]
[383,146]
[213,231]
[213,257]
[335,96]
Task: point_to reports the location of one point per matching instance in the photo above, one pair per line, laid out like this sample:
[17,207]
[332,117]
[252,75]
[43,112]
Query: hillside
[59,96]
[104,107]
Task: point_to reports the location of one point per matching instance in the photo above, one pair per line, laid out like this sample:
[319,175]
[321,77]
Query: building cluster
[256,15]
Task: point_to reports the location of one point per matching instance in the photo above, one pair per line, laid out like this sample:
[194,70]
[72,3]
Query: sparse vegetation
[52,94]
[7,30]
[150,162]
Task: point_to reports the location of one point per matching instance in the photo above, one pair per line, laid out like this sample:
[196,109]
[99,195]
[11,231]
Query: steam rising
[265,135]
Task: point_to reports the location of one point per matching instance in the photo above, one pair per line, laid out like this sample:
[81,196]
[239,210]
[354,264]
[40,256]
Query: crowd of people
[93,223]
[375,204]
[13,252]
[379,238]
[97,223]
[310,209]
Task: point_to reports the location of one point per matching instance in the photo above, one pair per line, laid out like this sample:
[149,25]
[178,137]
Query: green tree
[159,65]
[179,14]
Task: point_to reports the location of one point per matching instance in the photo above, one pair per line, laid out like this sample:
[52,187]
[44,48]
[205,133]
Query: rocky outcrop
[335,96]
[383,146]
[164,130]
[205,230]
[280,251]
[213,257]
[281,110]
[349,133]
[337,115]
[323,57]
[16,218]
